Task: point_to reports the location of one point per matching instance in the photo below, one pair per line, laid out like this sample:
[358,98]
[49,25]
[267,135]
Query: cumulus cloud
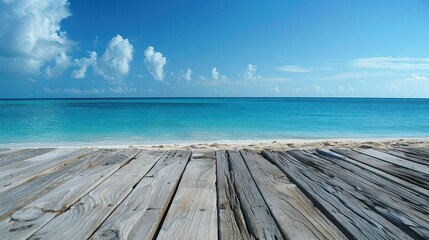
[216,76]
[250,73]
[155,63]
[62,62]
[83,65]
[32,38]
[122,89]
[293,68]
[115,62]
[187,76]
[113,65]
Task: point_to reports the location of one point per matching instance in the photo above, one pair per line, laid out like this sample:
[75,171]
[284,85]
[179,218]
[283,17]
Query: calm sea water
[171,120]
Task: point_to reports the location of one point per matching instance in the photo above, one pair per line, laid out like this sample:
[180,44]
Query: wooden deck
[239,194]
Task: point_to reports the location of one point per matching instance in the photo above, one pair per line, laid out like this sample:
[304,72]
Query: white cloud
[75,91]
[392,63]
[185,75]
[250,73]
[417,78]
[216,76]
[114,65]
[32,38]
[155,63]
[83,65]
[122,89]
[275,89]
[202,78]
[393,88]
[62,62]
[294,69]
[319,89]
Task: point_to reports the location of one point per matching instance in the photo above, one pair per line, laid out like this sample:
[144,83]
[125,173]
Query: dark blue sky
[214,48]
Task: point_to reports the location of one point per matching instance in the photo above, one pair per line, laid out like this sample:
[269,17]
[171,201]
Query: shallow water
[168,120]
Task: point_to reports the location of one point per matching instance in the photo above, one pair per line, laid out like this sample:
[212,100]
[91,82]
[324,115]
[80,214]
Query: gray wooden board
[405,155]
[295,214]
[353,217]
[22,155]
[139,217]
[407,174]
[12,152]
[17,197]
[27,220]
[193,214]
[259,219]
[414,151]
[402,207]
[19,172]
[395,160]
[231,220]
[82,219]
[381,173]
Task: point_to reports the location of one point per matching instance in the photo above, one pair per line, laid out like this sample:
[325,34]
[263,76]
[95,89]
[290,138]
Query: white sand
[253,144]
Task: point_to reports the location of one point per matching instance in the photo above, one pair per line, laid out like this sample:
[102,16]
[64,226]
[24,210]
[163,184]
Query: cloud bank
[32,38]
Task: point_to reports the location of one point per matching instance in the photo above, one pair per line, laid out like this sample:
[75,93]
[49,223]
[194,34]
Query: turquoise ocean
[184,120]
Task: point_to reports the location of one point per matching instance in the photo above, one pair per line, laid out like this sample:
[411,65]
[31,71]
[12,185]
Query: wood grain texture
[19,172]
[22,155]
[231,220]
[295,214]
[17,197]
[404,208]
[396,160]
[257,215]
[406,174]
[406,184]
[139,217]
[353,217]
[26,221]
[85,216]
[406,156]
[193,214]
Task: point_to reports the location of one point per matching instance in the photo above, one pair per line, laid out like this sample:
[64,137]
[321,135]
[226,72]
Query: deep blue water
[169,120]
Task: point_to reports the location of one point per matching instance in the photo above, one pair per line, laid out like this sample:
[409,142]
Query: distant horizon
[189,48]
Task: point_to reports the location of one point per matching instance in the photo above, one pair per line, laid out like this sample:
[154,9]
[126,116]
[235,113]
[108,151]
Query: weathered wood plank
[383,174]
[23,154]
[414,151]
[17,173]
[231,220]
[406,156]
[139,217]
[414,177]
[355,219]
[395,160]
[404,208]
[12,152]
[295,214]
[26,221]
[82,219]
[257,215]
[193,214]
[17,197]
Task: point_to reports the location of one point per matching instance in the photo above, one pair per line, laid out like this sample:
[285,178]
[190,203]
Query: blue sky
[60,48]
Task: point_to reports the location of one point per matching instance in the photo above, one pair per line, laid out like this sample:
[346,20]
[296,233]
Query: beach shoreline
[258,145]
